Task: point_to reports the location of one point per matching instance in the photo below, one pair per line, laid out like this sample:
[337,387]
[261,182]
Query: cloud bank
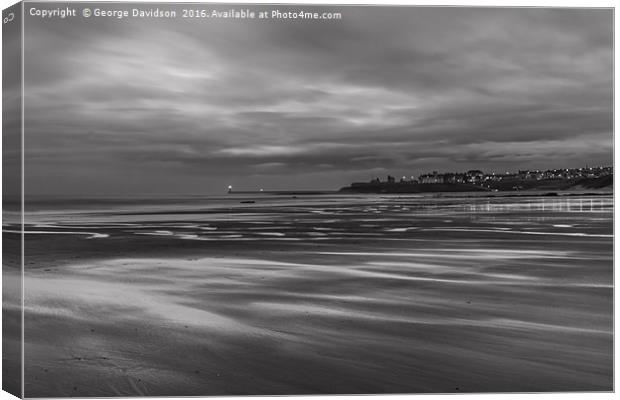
[131,107]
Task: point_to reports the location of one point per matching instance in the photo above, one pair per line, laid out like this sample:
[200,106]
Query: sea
[318,294]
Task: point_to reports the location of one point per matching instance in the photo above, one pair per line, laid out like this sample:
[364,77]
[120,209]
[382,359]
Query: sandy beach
[316,295]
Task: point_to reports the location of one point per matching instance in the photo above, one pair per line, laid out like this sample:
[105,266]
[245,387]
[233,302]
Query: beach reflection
[309,297]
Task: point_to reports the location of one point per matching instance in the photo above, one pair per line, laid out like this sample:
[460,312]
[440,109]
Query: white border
[480,3]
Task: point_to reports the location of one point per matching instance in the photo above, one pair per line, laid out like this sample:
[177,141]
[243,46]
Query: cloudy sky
[133,107]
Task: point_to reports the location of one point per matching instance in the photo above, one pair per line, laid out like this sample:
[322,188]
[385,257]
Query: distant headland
[476,180]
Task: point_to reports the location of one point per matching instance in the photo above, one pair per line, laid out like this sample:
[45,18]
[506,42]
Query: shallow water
[322,295]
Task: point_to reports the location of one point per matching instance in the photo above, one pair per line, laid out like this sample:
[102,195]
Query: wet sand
[378,295]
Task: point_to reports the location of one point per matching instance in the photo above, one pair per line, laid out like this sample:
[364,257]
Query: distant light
[261,190]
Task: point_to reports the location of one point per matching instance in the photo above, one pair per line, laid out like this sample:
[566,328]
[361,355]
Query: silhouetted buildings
[477,177]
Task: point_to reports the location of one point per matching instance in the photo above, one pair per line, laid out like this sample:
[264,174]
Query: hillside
[603,182]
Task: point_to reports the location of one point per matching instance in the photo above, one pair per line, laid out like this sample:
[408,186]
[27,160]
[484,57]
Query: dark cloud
[143,106]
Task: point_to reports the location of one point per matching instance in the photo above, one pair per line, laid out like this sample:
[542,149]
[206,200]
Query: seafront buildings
[479,177]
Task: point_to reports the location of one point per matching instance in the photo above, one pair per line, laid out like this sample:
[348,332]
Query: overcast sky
[131,107]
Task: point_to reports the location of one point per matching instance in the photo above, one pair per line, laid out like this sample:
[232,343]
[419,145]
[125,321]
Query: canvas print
[227,199]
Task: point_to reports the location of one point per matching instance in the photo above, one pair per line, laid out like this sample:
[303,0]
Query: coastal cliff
[599,183]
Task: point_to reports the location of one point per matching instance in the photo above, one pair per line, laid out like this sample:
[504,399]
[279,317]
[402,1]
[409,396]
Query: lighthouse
[229,188]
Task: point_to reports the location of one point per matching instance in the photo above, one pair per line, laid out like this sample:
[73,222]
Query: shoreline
[464,194]
[388,295]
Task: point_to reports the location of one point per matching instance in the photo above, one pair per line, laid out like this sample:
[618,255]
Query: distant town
[476,180]
[478,177]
